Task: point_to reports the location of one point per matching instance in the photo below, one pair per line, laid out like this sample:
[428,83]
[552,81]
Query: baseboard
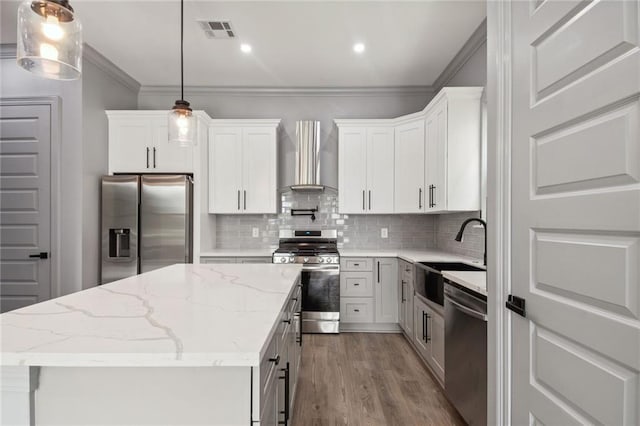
[355,327]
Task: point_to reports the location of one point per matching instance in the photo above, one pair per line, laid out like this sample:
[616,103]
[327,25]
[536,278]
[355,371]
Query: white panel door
[576,212]
[259,192]
[225,170]
[436,134]
[386,290]
[169,157]
[352,169]
[409,167]
[380,169]
[130,145]
[25,205]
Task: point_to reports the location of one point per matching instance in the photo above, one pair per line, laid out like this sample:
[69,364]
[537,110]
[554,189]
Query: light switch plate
[384,232]
[255,232]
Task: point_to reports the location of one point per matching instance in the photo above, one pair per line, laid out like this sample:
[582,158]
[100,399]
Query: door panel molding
[55,107]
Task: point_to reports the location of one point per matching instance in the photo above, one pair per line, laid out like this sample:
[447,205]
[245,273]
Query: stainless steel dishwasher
[466,352]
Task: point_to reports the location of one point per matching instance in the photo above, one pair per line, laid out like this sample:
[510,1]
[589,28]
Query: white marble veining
[473,280]
[264,252]
[413,255]
[181,315]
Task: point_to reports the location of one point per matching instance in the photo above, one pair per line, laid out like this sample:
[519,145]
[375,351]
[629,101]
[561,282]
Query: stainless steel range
[317,251]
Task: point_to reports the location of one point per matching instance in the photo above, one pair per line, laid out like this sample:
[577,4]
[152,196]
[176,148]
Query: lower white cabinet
[428,336]
[369,292]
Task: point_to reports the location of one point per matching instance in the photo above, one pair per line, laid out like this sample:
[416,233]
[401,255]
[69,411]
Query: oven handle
[327,268]
[466,310]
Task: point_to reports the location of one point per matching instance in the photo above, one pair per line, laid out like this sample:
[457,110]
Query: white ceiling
[295,43]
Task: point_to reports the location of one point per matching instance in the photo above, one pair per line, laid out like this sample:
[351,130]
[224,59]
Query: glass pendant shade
[182,124]
[49,39]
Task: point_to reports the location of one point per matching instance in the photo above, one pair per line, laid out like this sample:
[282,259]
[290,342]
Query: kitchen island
[182,345]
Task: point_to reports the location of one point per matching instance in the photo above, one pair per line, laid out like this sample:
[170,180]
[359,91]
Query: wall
[294,105]
[354,231]
[474,71]
[17,83]
[103,87]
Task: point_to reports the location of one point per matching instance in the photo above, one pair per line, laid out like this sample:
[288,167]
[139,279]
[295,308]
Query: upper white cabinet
[365,169]
[139,143]
[409,166]
[243,166]
[453,144]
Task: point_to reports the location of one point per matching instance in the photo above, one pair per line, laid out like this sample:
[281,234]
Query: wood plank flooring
[367,379]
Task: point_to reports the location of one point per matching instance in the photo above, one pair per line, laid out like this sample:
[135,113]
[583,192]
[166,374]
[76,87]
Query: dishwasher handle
[466,310]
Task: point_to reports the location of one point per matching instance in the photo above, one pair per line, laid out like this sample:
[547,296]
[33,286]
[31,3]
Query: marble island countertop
[473,280]
[181,315]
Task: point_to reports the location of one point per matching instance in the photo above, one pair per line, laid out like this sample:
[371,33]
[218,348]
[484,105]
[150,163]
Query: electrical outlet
[255,232]
[384,232]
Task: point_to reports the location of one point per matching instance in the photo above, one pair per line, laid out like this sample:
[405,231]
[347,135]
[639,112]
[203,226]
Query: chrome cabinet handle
[420,198]
[363,201]
[378,271]
[154,157]
[433,196]
[238,199]
[147,157]
[356,284]
[245,199]
[369,199]
[402,283]
[275,360]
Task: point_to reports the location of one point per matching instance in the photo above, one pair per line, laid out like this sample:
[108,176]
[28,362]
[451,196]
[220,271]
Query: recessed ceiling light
[358,47]
[246,48]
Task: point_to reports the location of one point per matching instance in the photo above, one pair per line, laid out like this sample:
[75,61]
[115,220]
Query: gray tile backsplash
[447,226]
[418,231]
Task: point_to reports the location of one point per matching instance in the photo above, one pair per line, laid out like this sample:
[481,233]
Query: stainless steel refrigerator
[147,223]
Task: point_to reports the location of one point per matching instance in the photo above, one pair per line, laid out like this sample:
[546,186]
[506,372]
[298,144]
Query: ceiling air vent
[217,29]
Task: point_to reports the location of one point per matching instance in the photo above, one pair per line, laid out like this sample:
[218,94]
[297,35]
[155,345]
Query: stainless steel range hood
[307,177]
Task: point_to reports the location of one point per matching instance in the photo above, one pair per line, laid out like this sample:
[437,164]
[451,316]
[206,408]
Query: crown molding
[477,39]
[192,91]
[8,51]
[100,61]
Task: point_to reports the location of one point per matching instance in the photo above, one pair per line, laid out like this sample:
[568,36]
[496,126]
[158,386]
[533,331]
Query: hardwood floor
[367,379]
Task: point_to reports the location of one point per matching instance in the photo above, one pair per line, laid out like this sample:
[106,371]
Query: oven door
[320,299]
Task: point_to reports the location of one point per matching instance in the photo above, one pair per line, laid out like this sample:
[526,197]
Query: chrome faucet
[484,225]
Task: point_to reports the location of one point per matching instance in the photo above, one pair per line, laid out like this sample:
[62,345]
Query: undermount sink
[451,266]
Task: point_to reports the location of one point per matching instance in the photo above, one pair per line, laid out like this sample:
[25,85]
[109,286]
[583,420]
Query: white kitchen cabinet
[409,165]
[405,297]
[243,166]
[386,290]
[453,145]
[429,337]
[139,143]
[365,166]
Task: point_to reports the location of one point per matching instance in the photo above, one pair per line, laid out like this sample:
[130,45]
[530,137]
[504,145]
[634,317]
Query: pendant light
[49,39]
[182,124]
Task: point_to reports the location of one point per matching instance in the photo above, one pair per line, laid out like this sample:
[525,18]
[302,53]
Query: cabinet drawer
[269,369]
[356,264]
[356,284]
[356,309]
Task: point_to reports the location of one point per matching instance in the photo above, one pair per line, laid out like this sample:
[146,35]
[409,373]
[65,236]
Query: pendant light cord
[182,50]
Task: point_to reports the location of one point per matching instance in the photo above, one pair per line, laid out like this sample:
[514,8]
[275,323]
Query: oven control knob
[321,260]
[305,260]
[283,259]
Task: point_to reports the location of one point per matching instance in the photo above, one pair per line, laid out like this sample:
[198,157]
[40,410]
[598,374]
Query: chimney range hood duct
[307,176]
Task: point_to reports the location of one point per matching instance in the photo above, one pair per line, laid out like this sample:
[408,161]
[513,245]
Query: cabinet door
[130,145]
[168,157]
[436,332]
[380,170]
[421,328]
[386,286]
[437,158]
[225,177]
[408,309]
[259,164]
[269,410]
[352,169]
[409,167]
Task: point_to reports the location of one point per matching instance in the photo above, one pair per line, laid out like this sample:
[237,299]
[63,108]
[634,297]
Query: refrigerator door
[165,221]
[119,227]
